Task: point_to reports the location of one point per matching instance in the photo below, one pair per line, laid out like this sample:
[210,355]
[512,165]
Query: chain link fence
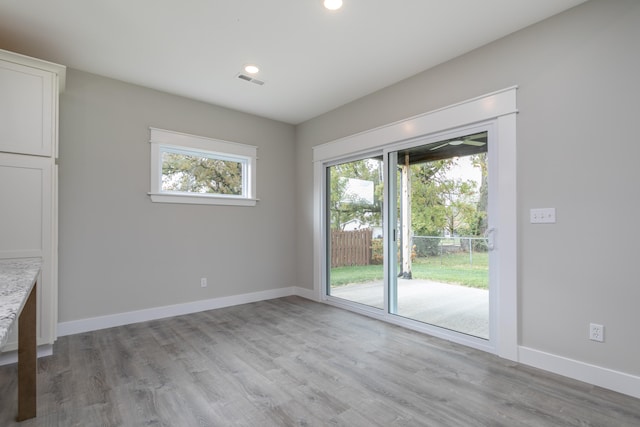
[432,246]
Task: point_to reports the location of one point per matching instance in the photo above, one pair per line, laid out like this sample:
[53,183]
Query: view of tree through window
[356,193]
[442,203]
[183,172]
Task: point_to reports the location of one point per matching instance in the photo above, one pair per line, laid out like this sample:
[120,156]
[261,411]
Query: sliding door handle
[490,238]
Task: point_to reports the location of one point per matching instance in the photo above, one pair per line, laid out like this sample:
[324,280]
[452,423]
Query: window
[199,170]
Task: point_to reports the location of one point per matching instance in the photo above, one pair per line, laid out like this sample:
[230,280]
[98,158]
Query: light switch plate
[542,216]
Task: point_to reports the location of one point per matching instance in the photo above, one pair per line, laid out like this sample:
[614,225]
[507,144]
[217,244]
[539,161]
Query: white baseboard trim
[9,357]
[305,293]
[120,319]
[592,374]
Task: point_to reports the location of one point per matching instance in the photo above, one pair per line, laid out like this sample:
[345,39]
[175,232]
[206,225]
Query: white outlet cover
[596,332]
[542,216]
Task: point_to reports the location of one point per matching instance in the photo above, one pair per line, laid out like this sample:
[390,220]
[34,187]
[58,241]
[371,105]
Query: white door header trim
[482,108]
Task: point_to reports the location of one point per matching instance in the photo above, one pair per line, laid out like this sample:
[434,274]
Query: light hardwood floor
[293,362]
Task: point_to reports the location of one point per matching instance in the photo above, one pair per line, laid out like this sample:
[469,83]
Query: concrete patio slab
[449,306]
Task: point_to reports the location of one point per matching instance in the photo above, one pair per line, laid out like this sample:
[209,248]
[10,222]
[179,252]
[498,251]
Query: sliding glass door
[433,269]
[355,261]
[439,271]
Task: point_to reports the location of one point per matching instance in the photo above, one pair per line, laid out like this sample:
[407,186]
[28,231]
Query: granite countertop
[17,277]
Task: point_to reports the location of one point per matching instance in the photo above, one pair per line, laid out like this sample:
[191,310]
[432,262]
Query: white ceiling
[312,60]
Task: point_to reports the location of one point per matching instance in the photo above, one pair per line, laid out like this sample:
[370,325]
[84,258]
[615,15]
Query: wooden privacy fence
[350,247]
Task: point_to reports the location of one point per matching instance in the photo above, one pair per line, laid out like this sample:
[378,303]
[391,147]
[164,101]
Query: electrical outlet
[596,332]
[203,282]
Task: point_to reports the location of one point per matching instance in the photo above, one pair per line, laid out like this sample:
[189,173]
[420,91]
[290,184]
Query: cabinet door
[27,113]
[27,226]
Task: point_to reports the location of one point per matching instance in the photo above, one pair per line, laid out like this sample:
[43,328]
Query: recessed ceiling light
[333,4]
[252,69]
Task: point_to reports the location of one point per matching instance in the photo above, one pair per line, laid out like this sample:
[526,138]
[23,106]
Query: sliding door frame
[390,153]
[326,294]
[496,110]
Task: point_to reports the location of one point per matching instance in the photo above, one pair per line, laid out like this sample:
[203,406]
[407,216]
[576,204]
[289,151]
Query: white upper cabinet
[29,105]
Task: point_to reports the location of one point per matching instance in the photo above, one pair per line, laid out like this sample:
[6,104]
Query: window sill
[200,200]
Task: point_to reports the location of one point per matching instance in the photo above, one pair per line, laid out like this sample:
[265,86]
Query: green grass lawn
[448,268]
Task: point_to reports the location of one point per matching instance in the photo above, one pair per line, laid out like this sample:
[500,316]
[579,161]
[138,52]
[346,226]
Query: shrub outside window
[199,170]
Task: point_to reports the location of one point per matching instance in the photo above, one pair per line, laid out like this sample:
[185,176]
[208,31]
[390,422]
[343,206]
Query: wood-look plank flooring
[294,362]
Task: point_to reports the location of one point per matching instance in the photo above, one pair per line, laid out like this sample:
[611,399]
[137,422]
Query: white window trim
[160,139]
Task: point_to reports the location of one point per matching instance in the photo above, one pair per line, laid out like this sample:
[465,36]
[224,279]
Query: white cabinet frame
[29,93]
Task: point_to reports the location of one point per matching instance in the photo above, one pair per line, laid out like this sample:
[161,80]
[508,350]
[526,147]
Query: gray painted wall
[578,151]
[120,252]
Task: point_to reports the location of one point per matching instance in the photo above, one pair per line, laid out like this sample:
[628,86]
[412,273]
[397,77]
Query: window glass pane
[441,201]
[201,173]
[354,239]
